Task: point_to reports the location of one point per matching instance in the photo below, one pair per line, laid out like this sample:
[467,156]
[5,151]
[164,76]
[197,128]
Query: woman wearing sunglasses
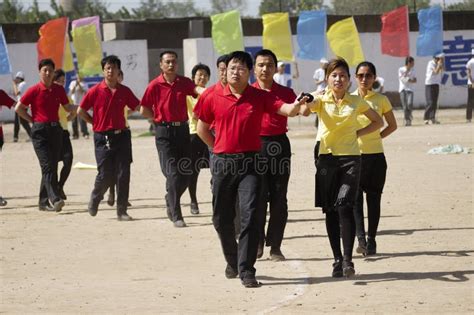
[373,164]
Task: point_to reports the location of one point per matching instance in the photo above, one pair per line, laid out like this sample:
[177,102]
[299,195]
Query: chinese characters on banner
[457,53]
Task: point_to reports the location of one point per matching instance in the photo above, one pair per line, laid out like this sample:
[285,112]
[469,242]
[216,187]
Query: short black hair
[408,60]
[111,59]
[266,52]
[200,66]
[58,73]
[46,62]
[369,65]
[171,52]
[223,59]
[241,56]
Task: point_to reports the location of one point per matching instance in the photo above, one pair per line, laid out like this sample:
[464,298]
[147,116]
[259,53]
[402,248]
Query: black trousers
[470,102]
[174,152]
[113,154]
[16,127]
[372,181]
[274,167]
[66,157]
[431,93]
[82,124]
[232,179]
[47,141]
[199,159]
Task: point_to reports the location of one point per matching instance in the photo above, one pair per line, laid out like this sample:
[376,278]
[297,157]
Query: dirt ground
[74,263]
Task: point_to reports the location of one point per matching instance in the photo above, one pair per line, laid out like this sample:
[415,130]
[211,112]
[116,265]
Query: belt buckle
[176,124]
[117,131]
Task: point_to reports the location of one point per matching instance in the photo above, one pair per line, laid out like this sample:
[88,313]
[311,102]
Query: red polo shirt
[108,106]
[6,100]
[237,121]
[274,124]
[168,101]
[45,102]
[218,87]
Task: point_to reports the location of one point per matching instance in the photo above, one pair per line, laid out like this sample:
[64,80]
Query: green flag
[227,32]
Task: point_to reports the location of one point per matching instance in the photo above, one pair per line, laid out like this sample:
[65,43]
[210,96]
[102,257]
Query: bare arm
[469,74]
[21,110]
[292,109]
[391,124]
[439,67]
[376,123]
[205,133]
[84,115]
[146,112]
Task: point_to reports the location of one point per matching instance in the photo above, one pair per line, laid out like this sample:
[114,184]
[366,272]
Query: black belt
[113,132]
[51,124]
[236,155]
[171,123]
[276,137]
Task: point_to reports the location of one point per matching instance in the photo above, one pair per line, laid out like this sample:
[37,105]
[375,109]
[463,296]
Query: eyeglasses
[237,69]
[361,76]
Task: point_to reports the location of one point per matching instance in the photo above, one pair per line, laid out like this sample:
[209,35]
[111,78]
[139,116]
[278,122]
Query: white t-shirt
[21,89]
[470,65]
[319,76]
[403,76]
[78,94]
[431,77]
[381,81]
[282,79]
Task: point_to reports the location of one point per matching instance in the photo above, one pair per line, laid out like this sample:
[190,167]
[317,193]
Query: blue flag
[311,34]
[430,38]
[5,66]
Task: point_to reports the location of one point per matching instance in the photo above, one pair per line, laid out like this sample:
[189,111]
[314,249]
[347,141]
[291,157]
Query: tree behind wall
[362,7]
[291,6]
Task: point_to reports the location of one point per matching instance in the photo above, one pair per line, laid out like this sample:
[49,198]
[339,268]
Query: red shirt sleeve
[192,89]
[272,103]
[29,96]
[148,98]
[205,109]
[62,95]
[6,100]
[133,101]
[88,100]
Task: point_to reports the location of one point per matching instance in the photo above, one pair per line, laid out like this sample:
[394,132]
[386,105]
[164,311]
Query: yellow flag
[227,32]
[68,64]
[277,35]
[344,41]
[88,50]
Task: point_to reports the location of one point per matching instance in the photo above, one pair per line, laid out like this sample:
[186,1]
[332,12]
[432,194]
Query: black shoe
[249,281]
[348,269]
[337,269]
[15,139]
[260,249]
[111,199]
[371,246]
[194,208]
[362,247]
[93,208]
[179,223]
[276,255]
[231,272]
[129,204]
[3,202]
[58,205]
[62,194]
[124,217]
[45,207]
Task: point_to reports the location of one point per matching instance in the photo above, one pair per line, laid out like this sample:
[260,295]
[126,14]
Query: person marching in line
[165,101]
[434,72]
[66,155]
[338,168]
[77,90]
[406,78]
[19,88]
[236,114]
[112,137]
[373,163]
[200,74]
[276,151]
[8,102]
[44,99]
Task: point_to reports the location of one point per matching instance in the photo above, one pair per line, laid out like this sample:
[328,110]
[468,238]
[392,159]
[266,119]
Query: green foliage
[220,6]
[466,5]
[11,11]
[362,7]
[291,6]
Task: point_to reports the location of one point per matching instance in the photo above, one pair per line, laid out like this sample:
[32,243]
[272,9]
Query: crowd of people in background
[233,128]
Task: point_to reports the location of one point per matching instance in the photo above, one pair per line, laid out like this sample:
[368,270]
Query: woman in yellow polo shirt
[199,151]
[373,164]
[338,166]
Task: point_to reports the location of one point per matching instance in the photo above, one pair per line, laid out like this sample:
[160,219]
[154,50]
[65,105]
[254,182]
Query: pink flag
[86,21]
[394,34]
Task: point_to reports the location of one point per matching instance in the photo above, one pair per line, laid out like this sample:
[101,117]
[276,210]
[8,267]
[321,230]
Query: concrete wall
[453,91]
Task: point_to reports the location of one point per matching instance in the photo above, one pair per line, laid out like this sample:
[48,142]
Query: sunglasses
[360,76]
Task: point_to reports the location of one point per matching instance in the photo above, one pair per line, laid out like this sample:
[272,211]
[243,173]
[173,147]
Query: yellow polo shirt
[372,142]
[62,113]
[190,103]
[340,121]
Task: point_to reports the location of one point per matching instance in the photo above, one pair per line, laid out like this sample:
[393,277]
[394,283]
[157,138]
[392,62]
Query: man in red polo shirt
[112,138]
[44,98]
[276,151]
[236,113]
[7,101]
[165,101]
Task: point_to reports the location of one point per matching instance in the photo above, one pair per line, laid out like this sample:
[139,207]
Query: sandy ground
[73,263]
